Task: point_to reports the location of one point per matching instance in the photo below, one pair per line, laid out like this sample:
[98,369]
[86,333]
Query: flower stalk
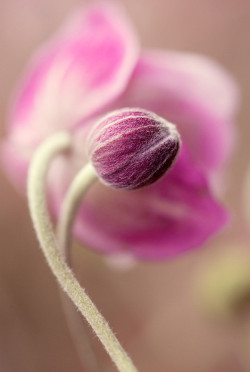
[40,217]
[81,183]
[79,186]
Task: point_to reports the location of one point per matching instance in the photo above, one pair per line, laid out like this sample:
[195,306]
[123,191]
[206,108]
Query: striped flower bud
[132,148]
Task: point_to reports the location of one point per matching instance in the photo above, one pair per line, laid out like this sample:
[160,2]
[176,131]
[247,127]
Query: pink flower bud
[132,148]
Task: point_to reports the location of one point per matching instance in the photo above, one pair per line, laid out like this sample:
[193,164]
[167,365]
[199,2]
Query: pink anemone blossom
[93,66]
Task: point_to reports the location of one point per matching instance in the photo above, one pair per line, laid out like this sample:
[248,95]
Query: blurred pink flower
[94,66]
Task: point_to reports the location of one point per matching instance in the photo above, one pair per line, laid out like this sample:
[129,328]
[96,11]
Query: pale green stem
[78,187]
[79,332]
[44,230]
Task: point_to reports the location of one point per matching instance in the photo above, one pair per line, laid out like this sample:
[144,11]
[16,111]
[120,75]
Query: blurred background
[153,308]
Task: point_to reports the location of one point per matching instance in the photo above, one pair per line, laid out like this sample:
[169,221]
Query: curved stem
[44,230]
[78,187]
[79,331]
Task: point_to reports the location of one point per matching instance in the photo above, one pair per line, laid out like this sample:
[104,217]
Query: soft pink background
[152,308]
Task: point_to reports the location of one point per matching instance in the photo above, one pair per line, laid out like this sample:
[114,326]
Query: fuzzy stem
[79,332]
[79,186]
[44,230]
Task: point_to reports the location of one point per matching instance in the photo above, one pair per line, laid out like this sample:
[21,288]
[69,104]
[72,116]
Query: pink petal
[174,215]
[194,93]
[85,67]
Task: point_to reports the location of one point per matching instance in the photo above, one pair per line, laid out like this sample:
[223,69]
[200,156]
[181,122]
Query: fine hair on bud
[132,147]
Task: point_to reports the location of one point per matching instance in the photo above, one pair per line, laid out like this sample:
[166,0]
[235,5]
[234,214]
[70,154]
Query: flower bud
[132,148]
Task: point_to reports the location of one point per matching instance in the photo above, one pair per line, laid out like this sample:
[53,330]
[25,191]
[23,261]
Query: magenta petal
[83,69]
[86,66]
[194,93]
[176,214]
